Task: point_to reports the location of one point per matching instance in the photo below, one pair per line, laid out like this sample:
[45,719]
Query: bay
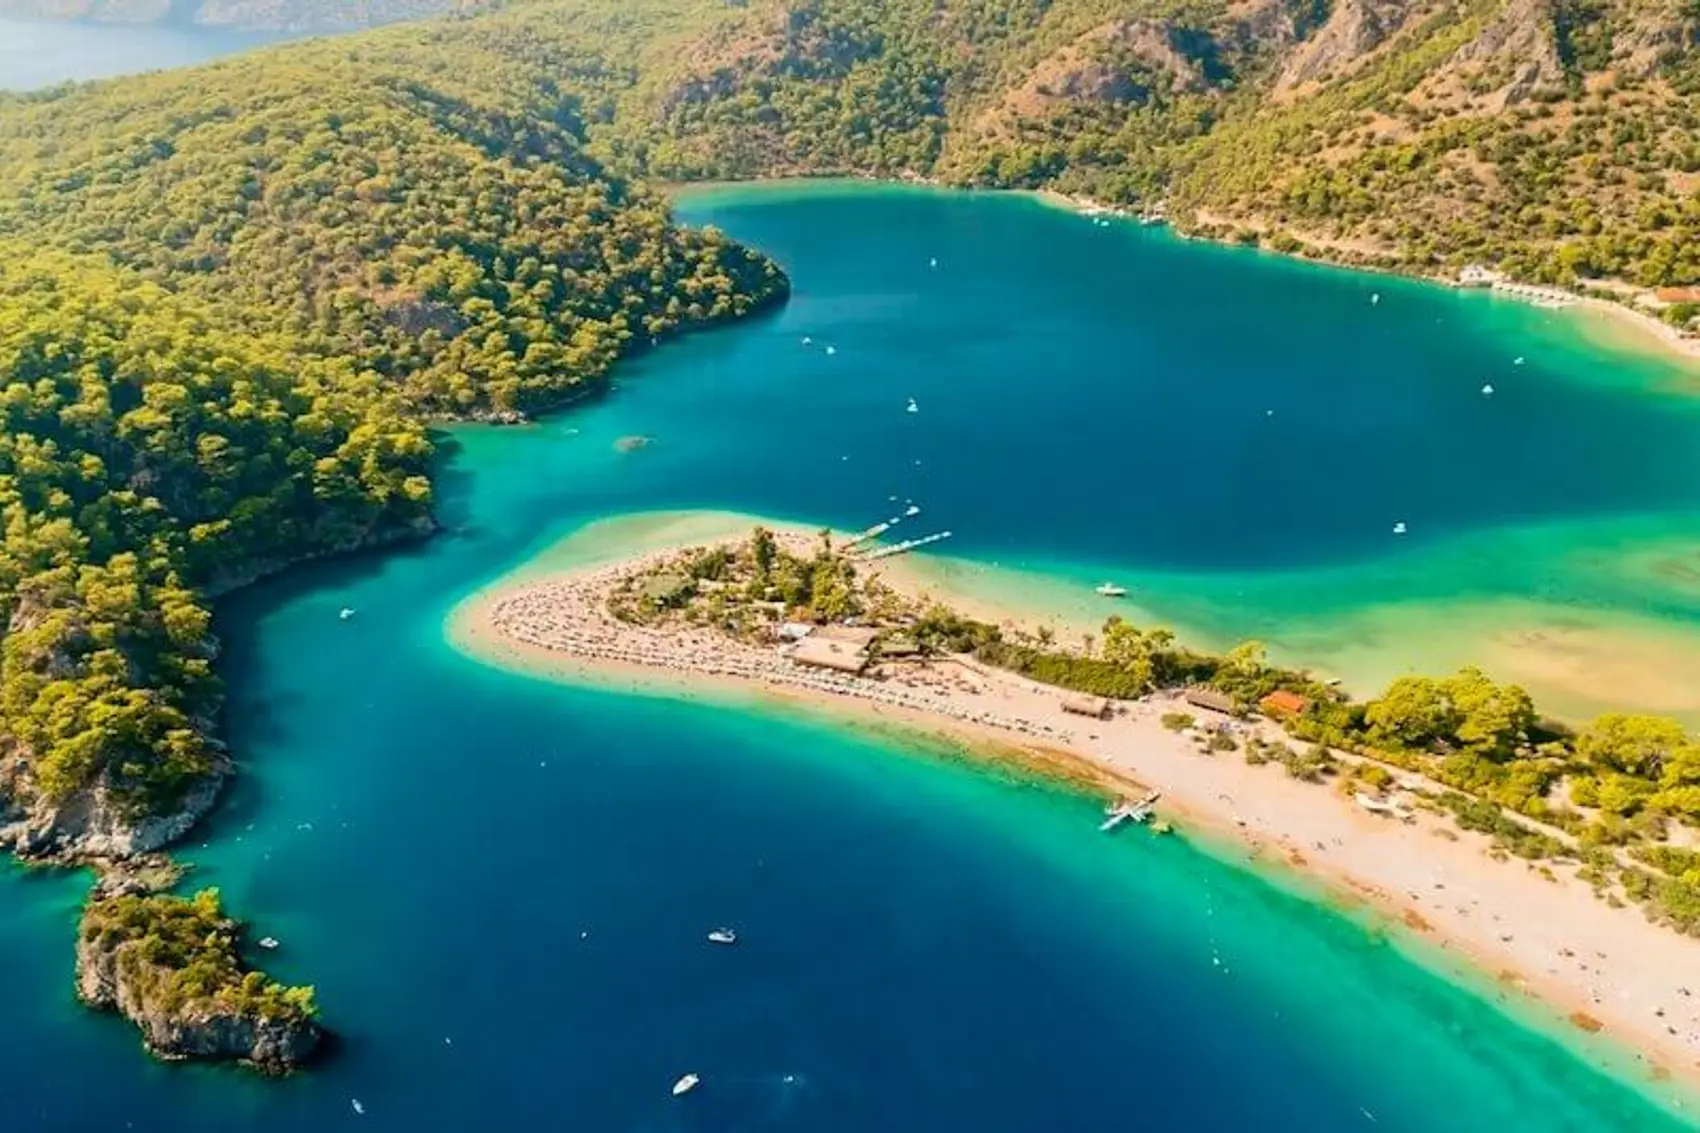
[500,885]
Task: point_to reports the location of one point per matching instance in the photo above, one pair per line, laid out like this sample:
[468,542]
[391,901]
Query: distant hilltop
[253,15]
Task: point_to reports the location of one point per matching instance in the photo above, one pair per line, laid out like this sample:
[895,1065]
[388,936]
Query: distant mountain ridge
[256,15]
[1556,139]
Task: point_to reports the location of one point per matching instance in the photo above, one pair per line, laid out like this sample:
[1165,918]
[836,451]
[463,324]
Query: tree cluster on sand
[1620,796]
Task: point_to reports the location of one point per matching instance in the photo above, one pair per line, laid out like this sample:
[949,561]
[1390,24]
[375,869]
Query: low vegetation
[1621,782]
[180,955]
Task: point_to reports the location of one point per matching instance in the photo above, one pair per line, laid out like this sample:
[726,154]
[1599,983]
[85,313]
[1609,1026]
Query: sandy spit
[1540,941]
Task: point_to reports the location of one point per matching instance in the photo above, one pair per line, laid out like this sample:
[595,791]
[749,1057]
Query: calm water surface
[40,54]
[500,886]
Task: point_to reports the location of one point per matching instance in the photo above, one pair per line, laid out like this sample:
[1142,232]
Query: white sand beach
[1534,934]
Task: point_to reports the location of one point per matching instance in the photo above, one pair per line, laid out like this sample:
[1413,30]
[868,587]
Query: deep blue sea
[500,885]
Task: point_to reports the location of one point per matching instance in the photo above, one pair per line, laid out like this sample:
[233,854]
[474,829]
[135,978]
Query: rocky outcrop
[99,823]
[94,825]
[1120,63]
[132,953]
[1522,41]
[1353,29]
[1656,36]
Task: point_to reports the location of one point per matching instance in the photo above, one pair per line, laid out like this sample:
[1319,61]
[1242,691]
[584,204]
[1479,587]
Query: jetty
[873,532]
[1125,811]
[1540,296]
[906,546]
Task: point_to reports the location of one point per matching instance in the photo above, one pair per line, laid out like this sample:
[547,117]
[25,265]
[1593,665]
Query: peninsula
[1398,802]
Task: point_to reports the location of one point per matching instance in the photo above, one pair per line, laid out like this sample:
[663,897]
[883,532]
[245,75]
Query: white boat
[1517,361]
[346,613]
[808,341]
[913,408]
[1399,528]
[832,350]
[358,1108]
[268,942]
[685,1085]
[723,936]
[1487,390]
[933,263]
[912,509]
[1374,298]
[1111,590]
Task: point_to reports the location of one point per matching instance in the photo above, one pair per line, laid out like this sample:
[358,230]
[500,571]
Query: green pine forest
[234,299]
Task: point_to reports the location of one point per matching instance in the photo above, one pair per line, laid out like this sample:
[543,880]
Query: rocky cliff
[171,966]
[96,824]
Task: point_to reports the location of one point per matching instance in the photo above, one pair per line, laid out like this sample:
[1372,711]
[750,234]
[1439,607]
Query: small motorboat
[269,943]
[1487,390]
[685,1085]
[723,936]
[912,510]
[1111,590]
[933,263]
[832,350]
[1517,361]
[808,341]
[912,407]
[1399,528]
[358,1108]
[1375,297]
[346,612]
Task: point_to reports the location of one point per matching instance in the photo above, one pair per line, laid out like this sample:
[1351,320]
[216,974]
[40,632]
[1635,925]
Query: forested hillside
[420,222]
[1557,139]
[147,453]
[229,301]
[231,298]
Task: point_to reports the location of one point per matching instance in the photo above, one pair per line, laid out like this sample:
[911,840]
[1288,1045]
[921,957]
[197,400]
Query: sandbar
[1616,987]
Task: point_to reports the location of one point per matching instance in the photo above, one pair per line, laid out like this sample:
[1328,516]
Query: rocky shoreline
[97,829]
[172,967]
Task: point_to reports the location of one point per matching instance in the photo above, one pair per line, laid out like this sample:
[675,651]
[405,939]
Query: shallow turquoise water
[922,946]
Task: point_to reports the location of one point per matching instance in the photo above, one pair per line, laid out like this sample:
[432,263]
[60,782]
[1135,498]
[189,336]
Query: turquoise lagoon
[500,885]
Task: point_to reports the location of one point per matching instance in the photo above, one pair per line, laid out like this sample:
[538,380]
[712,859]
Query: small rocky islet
[173,966]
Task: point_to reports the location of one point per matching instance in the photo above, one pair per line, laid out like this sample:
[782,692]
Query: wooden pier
[1126,811]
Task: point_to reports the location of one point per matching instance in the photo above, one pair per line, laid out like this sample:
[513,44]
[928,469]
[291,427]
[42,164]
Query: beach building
[1475,275]
[1210,700]
[1283,702]
[1677,294]
[843,649]
[1079,704]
